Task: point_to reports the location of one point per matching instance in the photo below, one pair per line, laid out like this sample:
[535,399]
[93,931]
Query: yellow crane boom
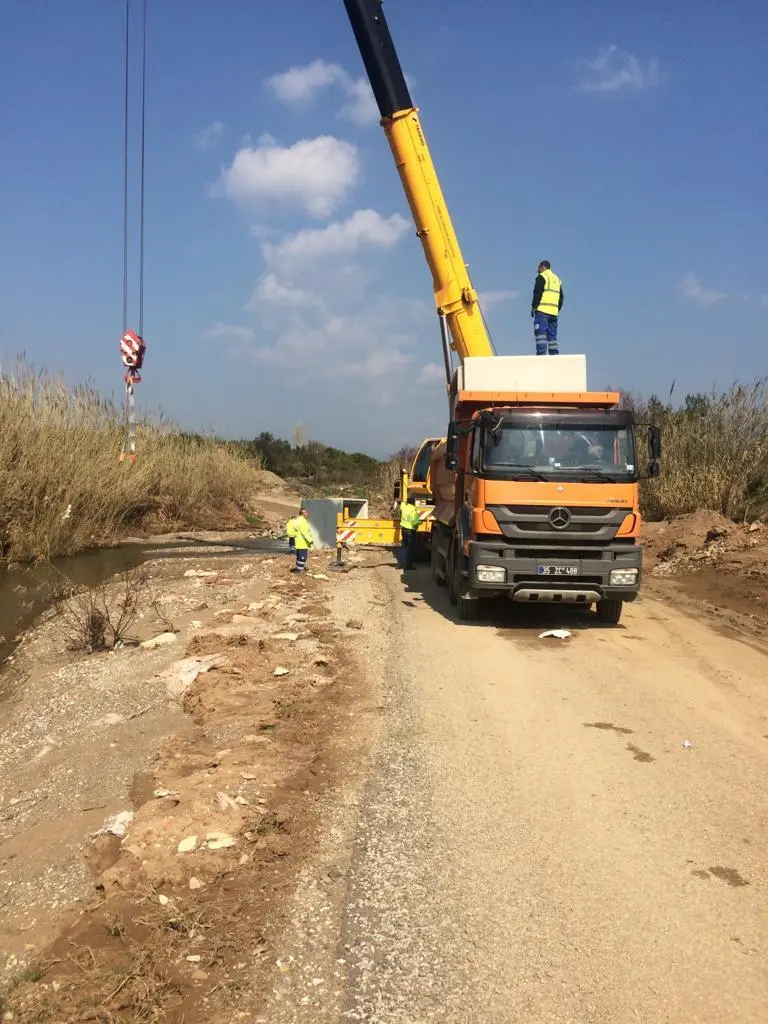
[455,297]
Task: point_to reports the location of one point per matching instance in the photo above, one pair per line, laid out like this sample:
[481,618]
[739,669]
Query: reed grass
[63,488]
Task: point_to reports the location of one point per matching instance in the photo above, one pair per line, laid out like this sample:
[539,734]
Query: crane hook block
[132,351]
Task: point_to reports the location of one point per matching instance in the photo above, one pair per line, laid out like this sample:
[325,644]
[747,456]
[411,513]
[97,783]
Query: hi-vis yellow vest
[409,516]
[550,299]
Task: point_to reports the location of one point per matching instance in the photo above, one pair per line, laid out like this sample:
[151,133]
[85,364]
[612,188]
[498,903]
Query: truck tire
[609,611]
[438,572]
[469,611]
[450,572]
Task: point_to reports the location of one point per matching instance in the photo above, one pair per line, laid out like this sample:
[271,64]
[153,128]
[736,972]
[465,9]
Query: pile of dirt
[679,544]
[719,565]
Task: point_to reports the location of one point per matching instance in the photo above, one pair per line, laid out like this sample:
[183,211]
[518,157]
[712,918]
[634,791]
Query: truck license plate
[558,570]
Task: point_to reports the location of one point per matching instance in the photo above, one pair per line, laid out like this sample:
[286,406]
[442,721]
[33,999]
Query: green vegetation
[313,463]
[714,453]
[63,489]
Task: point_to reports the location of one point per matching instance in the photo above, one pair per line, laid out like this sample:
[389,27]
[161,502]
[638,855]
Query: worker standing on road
[303,541]
[290,531]
[409,524]
[545,309]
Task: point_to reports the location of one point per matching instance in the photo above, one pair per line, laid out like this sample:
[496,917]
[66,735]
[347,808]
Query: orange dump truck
[536,488]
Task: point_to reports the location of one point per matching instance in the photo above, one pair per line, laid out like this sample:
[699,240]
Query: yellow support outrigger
[378,532]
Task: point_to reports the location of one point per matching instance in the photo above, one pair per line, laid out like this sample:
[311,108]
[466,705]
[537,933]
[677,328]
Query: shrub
[714,452]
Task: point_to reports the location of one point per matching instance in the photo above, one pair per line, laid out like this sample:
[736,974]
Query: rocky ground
[293,799]
[155,800]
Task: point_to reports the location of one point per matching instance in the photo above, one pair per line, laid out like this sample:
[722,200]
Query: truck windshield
[561,452]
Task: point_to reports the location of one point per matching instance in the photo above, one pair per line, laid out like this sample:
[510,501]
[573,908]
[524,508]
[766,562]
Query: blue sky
[624,142]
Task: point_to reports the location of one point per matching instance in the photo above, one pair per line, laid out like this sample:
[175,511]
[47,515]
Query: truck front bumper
[582,576]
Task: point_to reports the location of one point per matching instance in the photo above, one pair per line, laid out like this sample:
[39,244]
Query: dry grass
[64,489]
[714,454]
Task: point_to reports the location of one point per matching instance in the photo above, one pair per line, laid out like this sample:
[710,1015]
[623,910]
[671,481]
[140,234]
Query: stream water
[26,592]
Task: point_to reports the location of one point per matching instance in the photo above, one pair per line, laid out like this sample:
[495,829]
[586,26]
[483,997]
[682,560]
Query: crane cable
[132,345]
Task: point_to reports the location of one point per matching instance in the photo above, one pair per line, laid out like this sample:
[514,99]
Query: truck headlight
[623,577]
[491,574]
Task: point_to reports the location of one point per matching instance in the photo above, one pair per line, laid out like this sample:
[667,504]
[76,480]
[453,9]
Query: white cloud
[210,136]
[230,332]
[367,345]
[299,86]
[362,228]
[432,374]
[490,299]
[316,174]
[271,290]
[360,106]
[302,84]
[692,289]
[613,70]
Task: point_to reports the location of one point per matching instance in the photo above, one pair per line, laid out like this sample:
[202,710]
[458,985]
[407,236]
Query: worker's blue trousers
[545,333]
[407,546]
[302,554]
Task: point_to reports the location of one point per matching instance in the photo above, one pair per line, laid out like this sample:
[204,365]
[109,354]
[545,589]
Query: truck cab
[536,489]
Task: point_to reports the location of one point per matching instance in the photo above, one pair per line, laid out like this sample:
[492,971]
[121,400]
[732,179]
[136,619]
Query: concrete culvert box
[323,513]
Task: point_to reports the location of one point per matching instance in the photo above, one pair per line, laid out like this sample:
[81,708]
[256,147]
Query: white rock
[225,802]
[281,671]
[196,624]
[180,676]
[319,576]
[163,899]
[244,620]
[256,606]
[286,636]
[160,794]
[116,825]
[187,845]
[201,574]
[218,840]
[110,719]
[161,640]
[195,883]
[194,958]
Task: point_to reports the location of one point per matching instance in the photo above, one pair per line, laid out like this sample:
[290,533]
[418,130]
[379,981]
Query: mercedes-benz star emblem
[559,518]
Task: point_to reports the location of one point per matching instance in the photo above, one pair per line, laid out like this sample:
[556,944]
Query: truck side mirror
[654,442]
[452,447]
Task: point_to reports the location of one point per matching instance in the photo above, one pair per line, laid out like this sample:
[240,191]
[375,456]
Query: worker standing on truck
[545,309]
[409,524]
[303,541]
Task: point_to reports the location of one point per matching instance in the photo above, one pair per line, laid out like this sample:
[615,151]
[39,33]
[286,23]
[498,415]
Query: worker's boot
[553,349]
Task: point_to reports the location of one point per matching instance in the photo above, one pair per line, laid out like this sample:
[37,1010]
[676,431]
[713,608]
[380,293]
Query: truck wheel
[450,573]
[438,576]
[469,611]
[609,611]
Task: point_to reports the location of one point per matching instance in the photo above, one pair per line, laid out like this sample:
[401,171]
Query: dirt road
[533,839]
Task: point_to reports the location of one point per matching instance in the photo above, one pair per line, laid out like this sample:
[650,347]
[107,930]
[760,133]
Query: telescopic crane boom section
[455,297]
